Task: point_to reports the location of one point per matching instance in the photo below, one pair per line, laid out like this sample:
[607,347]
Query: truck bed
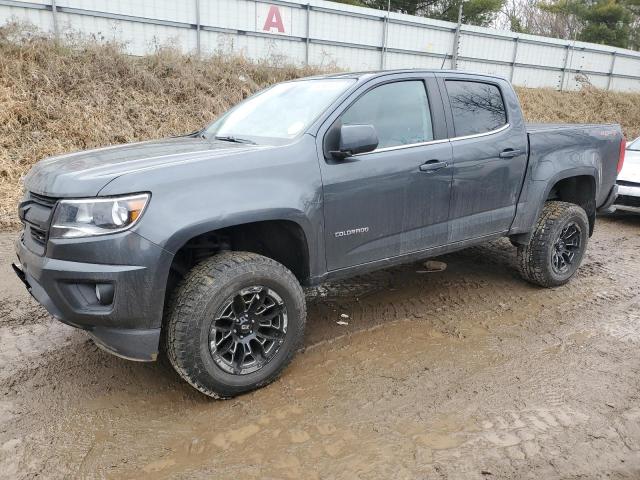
[556,148]
[548,127]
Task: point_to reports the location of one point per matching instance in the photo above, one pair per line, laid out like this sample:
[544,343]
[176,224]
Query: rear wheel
[235,323]
[557,245]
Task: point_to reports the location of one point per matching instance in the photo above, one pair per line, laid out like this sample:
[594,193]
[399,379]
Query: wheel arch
[577,189]
[577,185]
[283,240]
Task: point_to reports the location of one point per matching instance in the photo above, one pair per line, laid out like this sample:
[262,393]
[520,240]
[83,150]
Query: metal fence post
[564,67]
[456,40]
[611,68]
[306,51]
[54,13]
[515,56]
[385,26]
[198,48]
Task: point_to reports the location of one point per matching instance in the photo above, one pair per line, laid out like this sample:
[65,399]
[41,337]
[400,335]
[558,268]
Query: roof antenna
[444,59]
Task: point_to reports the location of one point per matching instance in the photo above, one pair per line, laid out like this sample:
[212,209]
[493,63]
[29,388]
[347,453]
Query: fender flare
[181,236]
[581,171]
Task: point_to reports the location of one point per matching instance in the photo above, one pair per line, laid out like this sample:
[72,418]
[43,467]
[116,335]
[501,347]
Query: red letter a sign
[274,20]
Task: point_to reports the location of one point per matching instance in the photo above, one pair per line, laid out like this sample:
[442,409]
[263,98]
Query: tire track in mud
[513,438]
[545,429]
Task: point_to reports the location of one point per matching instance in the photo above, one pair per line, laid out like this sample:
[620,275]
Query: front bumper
[628,198]
[64,282]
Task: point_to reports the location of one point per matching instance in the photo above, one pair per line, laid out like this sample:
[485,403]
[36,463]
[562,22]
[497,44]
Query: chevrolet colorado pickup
[197,246]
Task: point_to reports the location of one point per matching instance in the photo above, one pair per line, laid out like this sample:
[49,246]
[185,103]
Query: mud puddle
[459,374]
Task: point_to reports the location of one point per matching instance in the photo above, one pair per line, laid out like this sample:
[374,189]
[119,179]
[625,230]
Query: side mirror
[356,139]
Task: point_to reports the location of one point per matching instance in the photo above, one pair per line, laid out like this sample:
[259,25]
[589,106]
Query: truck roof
[379,73]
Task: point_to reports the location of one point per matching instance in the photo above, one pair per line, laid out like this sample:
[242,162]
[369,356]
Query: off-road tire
[192,308]
[535,258]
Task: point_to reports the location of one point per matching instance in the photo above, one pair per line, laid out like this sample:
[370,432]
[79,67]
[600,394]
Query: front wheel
[557,245]
[235,323]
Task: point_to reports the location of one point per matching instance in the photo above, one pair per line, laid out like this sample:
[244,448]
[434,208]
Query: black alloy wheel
[247,330]
[566,247]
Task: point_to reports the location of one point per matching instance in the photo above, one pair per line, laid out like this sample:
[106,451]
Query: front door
[395,199]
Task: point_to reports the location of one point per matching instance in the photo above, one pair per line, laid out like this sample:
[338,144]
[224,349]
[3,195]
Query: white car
[629,180]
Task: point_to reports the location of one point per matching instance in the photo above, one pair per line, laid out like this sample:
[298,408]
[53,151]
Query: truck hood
[86,173]
[631,169]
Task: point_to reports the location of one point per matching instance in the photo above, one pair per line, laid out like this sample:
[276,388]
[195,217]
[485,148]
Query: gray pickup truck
[198,245]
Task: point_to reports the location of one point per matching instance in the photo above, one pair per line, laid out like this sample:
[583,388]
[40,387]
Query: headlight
[96,216]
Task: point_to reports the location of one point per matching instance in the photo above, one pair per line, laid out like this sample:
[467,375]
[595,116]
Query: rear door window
[398,111]
[477,107]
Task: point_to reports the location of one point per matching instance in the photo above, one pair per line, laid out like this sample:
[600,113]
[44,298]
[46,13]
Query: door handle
[510,153]
[433,165]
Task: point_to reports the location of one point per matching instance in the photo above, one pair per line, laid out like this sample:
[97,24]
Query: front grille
[35,212]
[628,200]
[38,235]
[43,200]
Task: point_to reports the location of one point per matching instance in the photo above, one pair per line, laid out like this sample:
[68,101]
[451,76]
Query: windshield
[635,145]
[278,113]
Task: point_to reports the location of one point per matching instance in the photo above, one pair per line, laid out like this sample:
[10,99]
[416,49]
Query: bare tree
[527,16]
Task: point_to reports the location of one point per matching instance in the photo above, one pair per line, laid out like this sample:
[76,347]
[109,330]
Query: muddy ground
[463,374]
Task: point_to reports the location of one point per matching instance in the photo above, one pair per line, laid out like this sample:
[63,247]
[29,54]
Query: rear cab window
[477,107]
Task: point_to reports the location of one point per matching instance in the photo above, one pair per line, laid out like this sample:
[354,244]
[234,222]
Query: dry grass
[588,105]
[81,93]
[61,97]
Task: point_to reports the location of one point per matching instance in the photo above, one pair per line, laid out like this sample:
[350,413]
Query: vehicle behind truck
[198,246]
[628,182]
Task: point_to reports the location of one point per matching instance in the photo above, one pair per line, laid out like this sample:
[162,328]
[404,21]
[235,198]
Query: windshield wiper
[230,138]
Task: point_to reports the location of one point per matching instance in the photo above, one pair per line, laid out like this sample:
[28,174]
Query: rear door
[395,199]
[489,154]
